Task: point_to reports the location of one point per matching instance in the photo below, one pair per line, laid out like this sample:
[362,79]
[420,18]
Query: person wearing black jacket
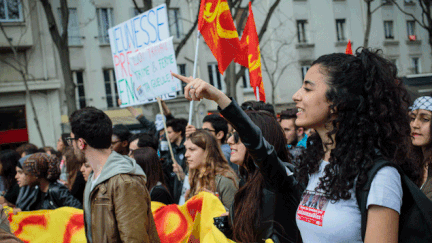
[8,161]
[40,171]
[281,193]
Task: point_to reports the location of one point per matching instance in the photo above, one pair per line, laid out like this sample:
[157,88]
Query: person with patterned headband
[420,117]
[42,170]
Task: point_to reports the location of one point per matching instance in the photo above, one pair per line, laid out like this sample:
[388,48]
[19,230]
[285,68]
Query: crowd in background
[260,164]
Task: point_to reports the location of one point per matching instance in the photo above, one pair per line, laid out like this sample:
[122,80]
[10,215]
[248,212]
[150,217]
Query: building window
[182,71]
[411,30]
[409,2]
[215,78]
[386,2]
[415,65]
[301,31]
[388,29]
[105,21]
[78,78]
[11,11]
[74,37]
[110,88]
[304,70]
[246,80]
[340,29]
[175,25]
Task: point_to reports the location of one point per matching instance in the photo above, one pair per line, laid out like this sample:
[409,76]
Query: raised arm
[263,153]
[149,126]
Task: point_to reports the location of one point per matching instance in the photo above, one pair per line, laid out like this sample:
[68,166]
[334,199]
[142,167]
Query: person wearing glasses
[116,201]
[120,139]
[218,127]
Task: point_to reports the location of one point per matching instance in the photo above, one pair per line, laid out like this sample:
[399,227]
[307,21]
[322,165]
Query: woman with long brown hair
[208,168]
[75,180]
[149,161]
[255,214]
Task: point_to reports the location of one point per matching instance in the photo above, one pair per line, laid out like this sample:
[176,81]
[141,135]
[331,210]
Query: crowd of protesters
[266,169]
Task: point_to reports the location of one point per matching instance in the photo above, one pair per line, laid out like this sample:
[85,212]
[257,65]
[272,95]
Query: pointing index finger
[182,78]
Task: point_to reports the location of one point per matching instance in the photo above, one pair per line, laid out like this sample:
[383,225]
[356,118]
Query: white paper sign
[130,37]
[151,70]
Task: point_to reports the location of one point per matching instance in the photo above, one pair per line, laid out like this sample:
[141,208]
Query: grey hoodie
[116,164]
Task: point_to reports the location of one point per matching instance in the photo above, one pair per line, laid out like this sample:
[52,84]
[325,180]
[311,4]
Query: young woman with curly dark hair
[359,111]
[255,214]
[421,127]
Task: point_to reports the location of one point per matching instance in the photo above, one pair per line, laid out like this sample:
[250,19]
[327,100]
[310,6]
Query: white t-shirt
[93,182]
[320,220]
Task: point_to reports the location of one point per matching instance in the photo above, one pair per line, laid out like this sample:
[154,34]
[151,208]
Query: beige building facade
[299,32]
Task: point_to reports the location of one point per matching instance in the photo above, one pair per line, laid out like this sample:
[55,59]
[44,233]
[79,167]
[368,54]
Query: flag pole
[194,76]
[159,100]
[257,93]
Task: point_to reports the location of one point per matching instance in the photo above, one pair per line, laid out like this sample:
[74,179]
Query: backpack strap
[362,194]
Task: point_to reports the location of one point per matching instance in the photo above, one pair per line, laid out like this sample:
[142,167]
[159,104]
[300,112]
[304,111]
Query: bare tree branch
[187,36]
[267,20]
[23,70]
[9,41]
[65,20]
[260,35]
[409,14]
[61,42]
[136,7]
[373,11]
[148,4]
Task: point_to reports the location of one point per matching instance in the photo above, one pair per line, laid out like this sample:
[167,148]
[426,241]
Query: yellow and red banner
[250,55]
[192,222]
[216,25]
[61,225]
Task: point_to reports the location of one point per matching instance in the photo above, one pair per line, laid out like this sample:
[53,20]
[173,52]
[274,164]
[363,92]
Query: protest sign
[129,37]
[151,69]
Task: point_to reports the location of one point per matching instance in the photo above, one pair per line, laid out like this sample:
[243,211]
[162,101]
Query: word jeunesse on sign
[129,38]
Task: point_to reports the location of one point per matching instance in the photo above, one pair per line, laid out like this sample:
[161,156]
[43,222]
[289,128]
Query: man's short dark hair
[93,125]
[28,148]
[218,123]
[145,140]
[258,106]
[289,114]
[178,125]
[122,132]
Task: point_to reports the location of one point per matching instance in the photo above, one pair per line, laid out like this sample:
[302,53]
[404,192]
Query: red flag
[250,55]
[349,48]
[216,25]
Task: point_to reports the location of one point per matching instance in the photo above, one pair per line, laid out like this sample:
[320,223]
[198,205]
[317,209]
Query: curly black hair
[371,105]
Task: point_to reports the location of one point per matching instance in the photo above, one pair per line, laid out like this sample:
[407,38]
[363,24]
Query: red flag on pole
[250,55]
[349,48]
[216,25]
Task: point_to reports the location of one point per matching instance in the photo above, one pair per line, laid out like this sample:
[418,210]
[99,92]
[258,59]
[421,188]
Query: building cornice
[11,87]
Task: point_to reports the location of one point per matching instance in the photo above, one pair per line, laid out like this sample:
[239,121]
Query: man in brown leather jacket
[116,201]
